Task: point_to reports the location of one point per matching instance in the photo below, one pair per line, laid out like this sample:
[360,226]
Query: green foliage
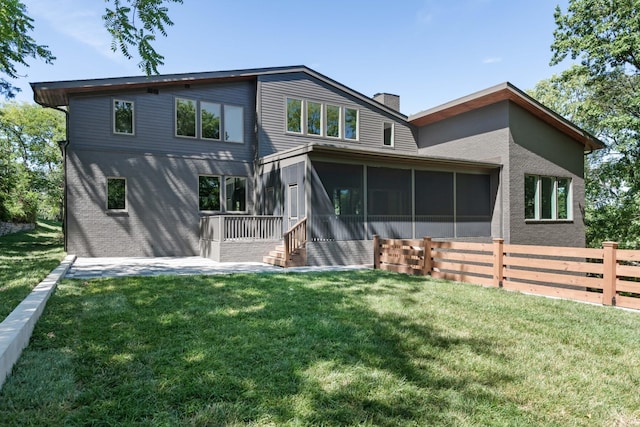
[185,117]
[602,95]
[153,16]
[16,46]
[31,175]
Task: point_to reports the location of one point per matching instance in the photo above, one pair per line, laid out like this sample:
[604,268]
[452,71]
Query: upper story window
[233,124]
[351,123]
[116,193]
[185,117]
[547,198]
[210,120]
[388,134]
[314,118]
[332,120]
[123,117]
[294,115]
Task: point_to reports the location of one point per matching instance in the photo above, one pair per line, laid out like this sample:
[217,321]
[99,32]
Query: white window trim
[326,121]
[306,128]
[246,193]
[303,119]
[175,118]
[554,200]
[219,195]
[344,123]
[126,194]
[223,127]
[393,134]
[133,117]
[199,109]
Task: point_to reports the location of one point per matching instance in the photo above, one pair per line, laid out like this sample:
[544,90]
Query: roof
[56,94]
[506,92]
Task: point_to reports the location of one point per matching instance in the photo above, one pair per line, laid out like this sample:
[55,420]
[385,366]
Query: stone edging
[10,227]
[16,329]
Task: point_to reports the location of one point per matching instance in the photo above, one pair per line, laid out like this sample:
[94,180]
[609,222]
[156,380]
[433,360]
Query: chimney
[388,99]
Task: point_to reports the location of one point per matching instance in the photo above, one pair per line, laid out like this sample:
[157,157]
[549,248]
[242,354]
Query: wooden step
[278,262]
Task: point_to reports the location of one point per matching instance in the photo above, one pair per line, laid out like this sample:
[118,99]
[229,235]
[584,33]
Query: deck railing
[240,227]
[295,238]
[608,275]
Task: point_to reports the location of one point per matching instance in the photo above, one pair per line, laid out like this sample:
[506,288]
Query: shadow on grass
[334,349]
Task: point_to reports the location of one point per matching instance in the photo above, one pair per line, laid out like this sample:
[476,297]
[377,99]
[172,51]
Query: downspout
[63,149]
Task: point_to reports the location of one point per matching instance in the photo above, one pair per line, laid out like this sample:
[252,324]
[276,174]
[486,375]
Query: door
[293,205]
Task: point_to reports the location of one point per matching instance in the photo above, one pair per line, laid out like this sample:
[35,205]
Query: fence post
[376,251]
[426,266]
[609,274]
[498,261]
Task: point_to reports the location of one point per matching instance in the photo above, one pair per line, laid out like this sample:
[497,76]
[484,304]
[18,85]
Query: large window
[547,198]
[210,120]
[123,117]
[185,117]
[351,123]
[294,115]
[116,193]
[233,123]
[209,193]
[236,190]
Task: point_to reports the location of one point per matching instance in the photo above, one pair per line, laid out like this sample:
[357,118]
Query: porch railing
[295,238]
[240,227]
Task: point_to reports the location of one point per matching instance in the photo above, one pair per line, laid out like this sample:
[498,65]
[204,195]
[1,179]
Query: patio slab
[91,268]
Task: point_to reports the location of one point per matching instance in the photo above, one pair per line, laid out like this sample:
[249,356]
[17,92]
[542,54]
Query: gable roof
[502,92]
[56,94]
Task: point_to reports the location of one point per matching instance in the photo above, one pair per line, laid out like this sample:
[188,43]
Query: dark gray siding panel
[162,217]
[274,89]
[91,121]
[539,149]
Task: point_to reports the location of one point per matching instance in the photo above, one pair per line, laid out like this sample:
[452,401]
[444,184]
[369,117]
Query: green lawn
[348,348]
[25,259]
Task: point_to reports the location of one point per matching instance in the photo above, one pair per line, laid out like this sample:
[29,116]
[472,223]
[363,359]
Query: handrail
[295,238]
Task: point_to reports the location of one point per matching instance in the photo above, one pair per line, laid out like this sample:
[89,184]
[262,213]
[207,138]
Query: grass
[26,258]
[341,348]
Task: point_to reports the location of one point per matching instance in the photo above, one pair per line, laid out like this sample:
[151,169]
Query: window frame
[220,123]
[126,194]
[246,193]
[223,129]
[175,117]
[320,118]
[393,134]
[133,117]
[286,115]
[219,193]
[326,121]
[344,124]
[538,205]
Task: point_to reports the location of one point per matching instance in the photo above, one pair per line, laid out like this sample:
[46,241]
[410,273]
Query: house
[226,164]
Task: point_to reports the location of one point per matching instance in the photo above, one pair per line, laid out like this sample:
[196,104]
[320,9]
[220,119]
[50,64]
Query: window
[209,120]
[293,202]
[314,118]
[185,117]
[351,123]
[233,124]
[294,115]
[236,189]
[547,198]
[116,193]
[333,121]
[387,134]
[209,193]
[123,117]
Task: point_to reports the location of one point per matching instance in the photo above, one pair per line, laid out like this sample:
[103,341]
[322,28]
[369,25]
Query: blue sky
[427,51]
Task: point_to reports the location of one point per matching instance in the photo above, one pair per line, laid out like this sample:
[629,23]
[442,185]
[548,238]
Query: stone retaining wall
[10,227]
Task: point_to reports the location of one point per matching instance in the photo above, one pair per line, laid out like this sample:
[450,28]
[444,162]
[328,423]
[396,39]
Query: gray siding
[537,148]
[273,91]
[162,217]
[91,122]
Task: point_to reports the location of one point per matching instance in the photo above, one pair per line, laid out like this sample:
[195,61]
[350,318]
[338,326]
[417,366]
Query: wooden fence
[609,276]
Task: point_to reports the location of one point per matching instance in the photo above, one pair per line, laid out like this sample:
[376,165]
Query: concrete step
[279,262]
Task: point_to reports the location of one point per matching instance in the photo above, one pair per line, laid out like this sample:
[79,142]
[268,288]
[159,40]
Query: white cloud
[78,19]
[492,60]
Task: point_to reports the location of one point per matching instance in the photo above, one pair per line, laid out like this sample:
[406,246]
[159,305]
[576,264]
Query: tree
[31,176]
[602,95]
[133,25]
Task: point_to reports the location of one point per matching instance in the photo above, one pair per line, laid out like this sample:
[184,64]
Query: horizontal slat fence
[609,276]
